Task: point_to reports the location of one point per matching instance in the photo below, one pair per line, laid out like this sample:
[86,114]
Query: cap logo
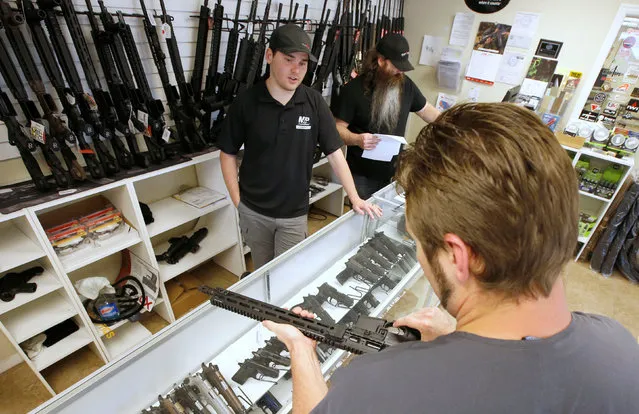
[405,54]
[306,45]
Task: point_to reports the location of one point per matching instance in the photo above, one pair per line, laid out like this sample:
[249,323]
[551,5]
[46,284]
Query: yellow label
[576,75]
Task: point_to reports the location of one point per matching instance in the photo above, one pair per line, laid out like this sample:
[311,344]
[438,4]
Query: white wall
[582,25]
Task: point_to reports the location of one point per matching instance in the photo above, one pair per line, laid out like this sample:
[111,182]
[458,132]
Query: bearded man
[378,101]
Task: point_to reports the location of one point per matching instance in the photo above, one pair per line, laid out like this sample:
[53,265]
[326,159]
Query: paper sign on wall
[431,50]
[511,70]
[445,101]
[523,30]
[462,27]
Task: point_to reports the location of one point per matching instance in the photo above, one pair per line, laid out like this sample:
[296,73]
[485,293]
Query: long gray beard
[385,107]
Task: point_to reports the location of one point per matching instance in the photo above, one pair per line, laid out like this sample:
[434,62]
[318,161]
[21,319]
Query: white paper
[511,70]
[431,50]
[449,75]
[386,149]
[533,88]
[451,54]
[462,27]
[445,101]
[483,66]
[473,94]
[523,30]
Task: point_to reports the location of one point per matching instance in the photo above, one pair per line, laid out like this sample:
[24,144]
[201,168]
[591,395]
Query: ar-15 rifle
[141,118]
[18,282]
[23,143]
[186,92]
[245,51]
[253,369]
[70,108]
[187,131]
[50,147]
[227,82]
[257,58]
[106,49]
[216,379]
[159,150]
[210,102]
[180,246]
[200,50]
[11,22]
[108,115]
[316,47]
[329,58]
[95,130]
[366,335]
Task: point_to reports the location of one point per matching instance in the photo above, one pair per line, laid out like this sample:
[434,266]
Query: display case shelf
[210,246]
[330,188]
[596,197]
[102,329]
[16,248]
[37,316]
[170,213]
[46,283]
[101,249]
[125,338]
[63,348]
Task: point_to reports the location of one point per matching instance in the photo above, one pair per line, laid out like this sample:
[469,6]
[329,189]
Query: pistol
[330,295]
[252,369]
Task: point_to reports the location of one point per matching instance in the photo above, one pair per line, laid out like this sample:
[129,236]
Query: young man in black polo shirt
[378,101]
[280,122]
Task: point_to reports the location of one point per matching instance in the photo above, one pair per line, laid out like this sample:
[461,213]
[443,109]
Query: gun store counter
[217,360]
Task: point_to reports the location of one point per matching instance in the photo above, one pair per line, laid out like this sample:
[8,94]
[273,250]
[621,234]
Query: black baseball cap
[394,47]
[291,38]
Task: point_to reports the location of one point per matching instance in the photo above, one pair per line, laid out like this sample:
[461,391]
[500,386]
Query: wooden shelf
[170,213]
[330,188]
[210,246]
[63,348]
[596,197]
[37,316]
[17,249]
[125,338]
[47,282]
[102,332]
[103,248]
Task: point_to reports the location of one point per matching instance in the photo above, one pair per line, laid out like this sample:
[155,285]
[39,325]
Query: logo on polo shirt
[303,122]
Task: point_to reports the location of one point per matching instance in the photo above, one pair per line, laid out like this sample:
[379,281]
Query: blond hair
[496,176]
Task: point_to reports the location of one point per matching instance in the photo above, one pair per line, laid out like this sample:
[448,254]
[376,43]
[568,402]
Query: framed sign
[548,49]
[486,6]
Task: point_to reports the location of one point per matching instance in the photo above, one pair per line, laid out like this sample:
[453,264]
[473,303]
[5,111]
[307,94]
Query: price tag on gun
[366,335]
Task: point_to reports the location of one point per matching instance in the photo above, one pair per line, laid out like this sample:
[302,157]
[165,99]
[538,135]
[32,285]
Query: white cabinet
[24,244]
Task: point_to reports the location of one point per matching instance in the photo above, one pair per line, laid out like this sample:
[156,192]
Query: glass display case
[353,266]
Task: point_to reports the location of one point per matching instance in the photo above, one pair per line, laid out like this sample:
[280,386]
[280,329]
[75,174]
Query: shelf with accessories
[27,244]
[601,174]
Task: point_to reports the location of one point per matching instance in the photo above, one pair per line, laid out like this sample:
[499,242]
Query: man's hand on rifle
[430,322]
[290,335]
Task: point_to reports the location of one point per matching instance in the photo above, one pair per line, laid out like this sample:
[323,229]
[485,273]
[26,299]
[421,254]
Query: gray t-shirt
[590,367]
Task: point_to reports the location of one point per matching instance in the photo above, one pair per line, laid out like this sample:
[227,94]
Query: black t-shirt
[279,141]
[354,107]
